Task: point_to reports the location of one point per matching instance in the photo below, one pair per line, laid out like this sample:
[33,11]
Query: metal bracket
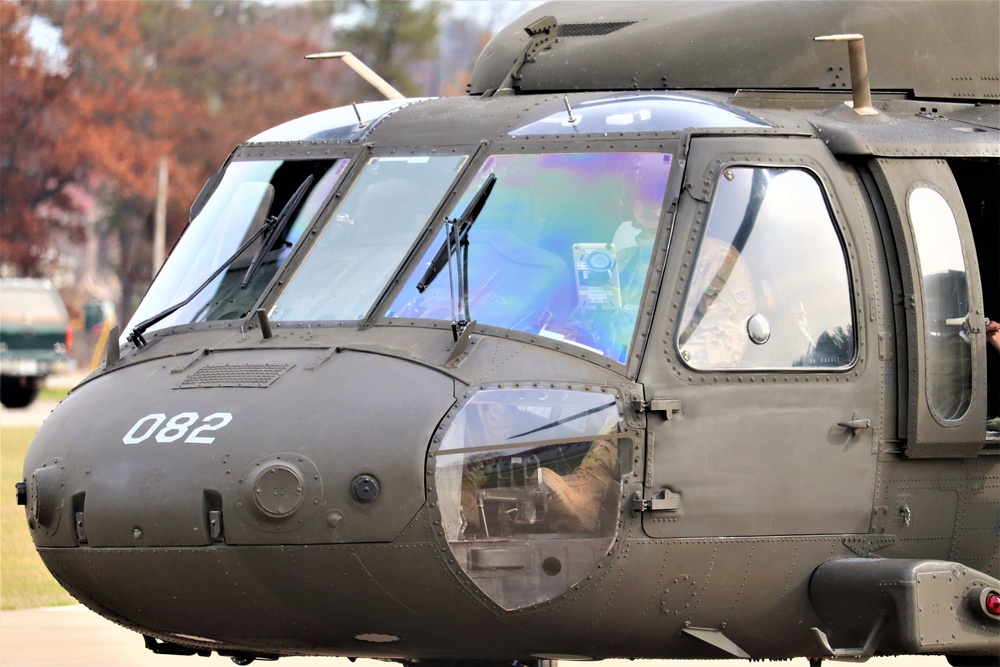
[716,638]
[668,406]
[665,500]
[460,345]
[541,34]
[855,654]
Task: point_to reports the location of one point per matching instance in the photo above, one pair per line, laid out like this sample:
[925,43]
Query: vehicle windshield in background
[249,196]
[561,249]
[369,236]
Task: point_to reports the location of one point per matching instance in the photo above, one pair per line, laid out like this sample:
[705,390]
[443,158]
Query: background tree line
[90,107]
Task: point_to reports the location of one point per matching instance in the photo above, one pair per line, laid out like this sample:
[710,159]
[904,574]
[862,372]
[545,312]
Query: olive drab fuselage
[619,361]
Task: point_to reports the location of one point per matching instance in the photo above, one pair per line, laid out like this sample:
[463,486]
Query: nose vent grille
[237,375]
[591,29]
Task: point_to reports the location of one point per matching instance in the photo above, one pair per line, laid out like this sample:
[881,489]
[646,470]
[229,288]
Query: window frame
[543,145]
[920,259]
[359,163]
[698,236]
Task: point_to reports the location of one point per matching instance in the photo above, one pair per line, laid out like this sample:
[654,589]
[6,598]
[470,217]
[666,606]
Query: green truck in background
[35,339]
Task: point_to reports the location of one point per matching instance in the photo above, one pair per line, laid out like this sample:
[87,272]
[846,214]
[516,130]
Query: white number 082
[177,428]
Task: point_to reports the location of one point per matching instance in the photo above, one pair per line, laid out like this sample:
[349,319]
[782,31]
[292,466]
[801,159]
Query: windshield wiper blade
[459,233]
[136,338]
[275,227]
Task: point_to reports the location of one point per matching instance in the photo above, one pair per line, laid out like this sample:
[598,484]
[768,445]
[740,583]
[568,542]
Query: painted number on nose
[177,428]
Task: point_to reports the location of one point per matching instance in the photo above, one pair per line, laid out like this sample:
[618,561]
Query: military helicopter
[669,340]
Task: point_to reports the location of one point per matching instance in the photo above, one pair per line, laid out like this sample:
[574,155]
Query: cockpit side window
[560,250]
[770,287]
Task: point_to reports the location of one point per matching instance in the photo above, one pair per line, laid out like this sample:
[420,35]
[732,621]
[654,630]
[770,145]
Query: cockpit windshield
[367,239]
[286,195]
[560,250]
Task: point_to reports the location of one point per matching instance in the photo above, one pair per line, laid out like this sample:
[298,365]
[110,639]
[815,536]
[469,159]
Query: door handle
[855,424]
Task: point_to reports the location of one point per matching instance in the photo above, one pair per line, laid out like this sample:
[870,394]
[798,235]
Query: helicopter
[669,340]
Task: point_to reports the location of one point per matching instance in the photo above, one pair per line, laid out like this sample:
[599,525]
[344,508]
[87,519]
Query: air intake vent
[591,29]
[240,375]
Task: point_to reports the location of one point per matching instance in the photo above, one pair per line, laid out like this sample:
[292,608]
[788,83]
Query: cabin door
[762,390]
[944,404]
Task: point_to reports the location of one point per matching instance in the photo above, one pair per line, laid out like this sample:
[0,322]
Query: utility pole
[160,219]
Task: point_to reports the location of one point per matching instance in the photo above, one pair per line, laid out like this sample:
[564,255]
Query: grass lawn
[52,394]
[25,583]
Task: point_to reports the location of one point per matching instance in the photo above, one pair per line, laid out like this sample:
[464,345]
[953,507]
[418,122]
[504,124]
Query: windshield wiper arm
[136,338]
[275,227]
[459,233]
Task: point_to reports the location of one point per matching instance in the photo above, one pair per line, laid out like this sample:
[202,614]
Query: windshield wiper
[459,234]
[458,237]
[271,229]
[275,227]
[136,338]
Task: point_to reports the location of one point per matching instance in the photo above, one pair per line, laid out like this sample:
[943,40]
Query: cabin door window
[948,352]
[770,286]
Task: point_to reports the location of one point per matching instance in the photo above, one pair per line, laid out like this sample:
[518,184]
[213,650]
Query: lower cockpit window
[529,484]
[560,249]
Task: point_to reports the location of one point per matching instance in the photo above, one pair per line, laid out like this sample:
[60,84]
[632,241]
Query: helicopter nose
[296,447]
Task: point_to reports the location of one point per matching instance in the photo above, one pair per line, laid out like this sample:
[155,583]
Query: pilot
[641,193]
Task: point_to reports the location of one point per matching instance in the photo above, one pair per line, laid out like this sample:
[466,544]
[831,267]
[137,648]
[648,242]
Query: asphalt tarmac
[76,637]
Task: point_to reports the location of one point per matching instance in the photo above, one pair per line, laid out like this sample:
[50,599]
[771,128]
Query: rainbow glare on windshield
[560,250]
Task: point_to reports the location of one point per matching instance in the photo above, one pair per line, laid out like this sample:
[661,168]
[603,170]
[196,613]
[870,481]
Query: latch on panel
[665,500]
[215,525]
[668,406]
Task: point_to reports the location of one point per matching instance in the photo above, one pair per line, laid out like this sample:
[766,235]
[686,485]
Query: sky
[492,13]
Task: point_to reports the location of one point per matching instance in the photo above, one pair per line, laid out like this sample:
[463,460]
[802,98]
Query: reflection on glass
[370,234]
[330,124]
[529,489]
[248,194]
[561,249]
[946,304]
[770,257]
[639,112]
